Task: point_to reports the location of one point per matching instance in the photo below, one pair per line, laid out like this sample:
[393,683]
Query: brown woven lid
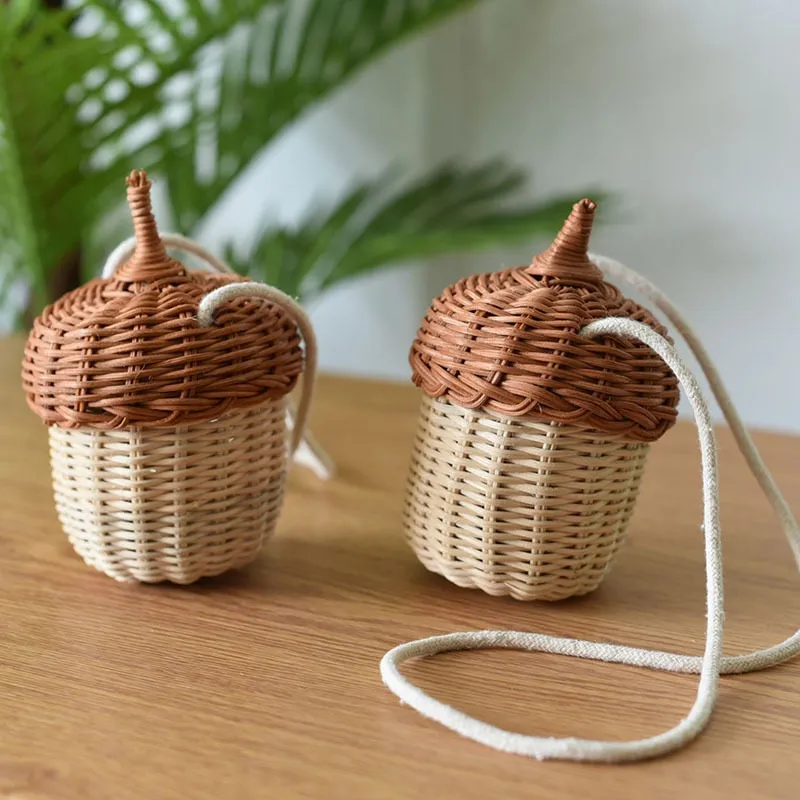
[127,351]
[509,341]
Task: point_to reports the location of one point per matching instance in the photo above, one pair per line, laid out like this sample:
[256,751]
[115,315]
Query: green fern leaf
[270,62]
[450,210]
[194,91]
[46,196]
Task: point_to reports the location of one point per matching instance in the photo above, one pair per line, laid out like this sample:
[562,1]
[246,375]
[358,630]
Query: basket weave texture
[175,504]
[518,507]
[533,438]
[128,351]
[168,438]
[510,341]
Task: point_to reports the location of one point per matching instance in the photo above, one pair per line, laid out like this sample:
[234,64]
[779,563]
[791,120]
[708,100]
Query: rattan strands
[514,506]
[127,351]
[510,341]
[172,504]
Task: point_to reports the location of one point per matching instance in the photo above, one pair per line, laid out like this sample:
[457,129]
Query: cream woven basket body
[176,503]
[165,395]
[532,439]
[509,505]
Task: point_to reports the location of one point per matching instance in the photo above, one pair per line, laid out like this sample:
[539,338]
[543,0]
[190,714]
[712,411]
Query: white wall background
[688,112]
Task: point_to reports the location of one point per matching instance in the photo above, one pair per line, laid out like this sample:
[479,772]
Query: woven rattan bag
[532,439]
[165,390]
[543,388]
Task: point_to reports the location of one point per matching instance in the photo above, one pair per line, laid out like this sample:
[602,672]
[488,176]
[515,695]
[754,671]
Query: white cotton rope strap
[710,665]
[214,299]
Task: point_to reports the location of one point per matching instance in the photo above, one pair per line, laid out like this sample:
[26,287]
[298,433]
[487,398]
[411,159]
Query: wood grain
[265,683]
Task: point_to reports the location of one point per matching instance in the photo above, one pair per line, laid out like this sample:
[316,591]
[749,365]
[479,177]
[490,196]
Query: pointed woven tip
[567,258]
[138,180]
[149,246]
[150,260]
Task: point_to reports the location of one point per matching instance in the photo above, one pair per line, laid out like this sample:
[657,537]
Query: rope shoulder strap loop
[619,272]
[709,666]
[212,301]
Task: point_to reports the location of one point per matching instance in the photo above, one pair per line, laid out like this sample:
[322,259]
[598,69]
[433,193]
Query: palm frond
[264,64]
[383,222]
[194,90]
[212,83]
[18,228]
[44,194]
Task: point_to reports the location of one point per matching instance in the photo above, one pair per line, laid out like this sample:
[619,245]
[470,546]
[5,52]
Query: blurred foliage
[193,91]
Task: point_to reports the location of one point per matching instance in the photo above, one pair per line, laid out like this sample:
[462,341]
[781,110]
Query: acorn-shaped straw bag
[165,392]
[543,389]
[532,439]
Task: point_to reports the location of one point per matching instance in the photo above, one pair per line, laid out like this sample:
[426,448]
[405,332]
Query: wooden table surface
[265,683]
